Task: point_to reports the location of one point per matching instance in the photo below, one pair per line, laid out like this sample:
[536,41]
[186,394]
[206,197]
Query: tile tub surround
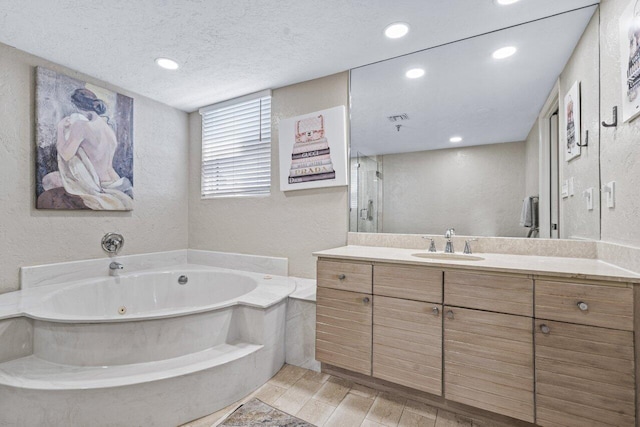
[301,325]
[576,268]
[115,363]
[48,274]
[56,302]
[301,334]
[16,338]
[198,372]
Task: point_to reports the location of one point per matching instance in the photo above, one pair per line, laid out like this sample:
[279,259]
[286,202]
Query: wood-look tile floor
[325,400]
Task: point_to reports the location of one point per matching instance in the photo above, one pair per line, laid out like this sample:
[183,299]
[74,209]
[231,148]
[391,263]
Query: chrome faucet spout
[448,248]
[115,266]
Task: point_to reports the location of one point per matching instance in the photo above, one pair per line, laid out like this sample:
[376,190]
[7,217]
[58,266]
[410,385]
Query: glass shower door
[368,194]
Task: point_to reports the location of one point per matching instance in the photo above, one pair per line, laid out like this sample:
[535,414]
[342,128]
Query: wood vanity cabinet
[488,356]
[344,313]
[585,372]
[407,326]
[563,355]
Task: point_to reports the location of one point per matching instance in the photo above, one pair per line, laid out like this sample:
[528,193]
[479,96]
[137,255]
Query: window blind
[236,147]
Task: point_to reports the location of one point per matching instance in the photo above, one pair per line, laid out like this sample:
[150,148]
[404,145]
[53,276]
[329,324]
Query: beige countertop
[574,268]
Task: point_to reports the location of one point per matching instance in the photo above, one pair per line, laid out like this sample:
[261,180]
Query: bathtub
[157,294]
[158,347]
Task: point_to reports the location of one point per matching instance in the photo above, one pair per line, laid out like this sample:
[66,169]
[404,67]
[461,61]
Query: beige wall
[29,236]
[619,147]
[292,224]
[479,190]
[583,66]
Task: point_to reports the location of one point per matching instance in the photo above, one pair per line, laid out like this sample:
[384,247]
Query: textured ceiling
[465,92]
[229,48]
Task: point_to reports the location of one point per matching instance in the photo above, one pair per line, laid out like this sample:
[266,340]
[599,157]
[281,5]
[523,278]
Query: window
[236,147]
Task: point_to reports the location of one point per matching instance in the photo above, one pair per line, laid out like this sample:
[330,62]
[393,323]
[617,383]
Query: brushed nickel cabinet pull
[342,277]
[450,314]
[365,300]
[545,329]
[583,306]
[435,311]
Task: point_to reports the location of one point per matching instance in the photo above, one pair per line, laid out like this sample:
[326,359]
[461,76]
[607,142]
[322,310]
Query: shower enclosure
[366,194]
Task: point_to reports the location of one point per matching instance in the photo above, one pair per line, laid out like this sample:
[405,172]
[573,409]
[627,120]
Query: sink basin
[450,257]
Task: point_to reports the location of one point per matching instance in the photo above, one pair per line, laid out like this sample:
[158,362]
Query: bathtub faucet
[115,266]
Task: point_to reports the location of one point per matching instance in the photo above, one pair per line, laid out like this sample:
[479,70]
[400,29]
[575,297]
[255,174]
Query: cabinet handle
[435,311]
[365,300]
[342,277]
[545,329]
[450,314]
[583,306]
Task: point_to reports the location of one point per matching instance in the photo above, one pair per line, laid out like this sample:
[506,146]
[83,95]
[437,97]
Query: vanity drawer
[502,294]
[595,305]
[415,283]
[348,276]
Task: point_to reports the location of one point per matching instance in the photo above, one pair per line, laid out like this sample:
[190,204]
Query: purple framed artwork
[84,143]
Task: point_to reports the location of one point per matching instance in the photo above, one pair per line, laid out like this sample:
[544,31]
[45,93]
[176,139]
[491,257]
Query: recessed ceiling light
[455,139]
[415,73]
[506,2]
[396,30]
[504,52]
[167,64]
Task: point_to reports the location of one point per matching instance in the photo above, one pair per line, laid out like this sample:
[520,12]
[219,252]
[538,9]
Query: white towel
[526,217]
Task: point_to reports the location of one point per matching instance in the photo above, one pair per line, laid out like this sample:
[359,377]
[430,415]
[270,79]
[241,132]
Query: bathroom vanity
[544,340]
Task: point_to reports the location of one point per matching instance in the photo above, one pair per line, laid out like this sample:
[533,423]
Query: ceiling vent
[398,117]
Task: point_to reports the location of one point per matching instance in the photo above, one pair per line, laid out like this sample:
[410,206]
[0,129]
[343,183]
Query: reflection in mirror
[472,143]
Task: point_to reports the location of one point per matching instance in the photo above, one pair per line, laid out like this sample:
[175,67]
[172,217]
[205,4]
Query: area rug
[257,413]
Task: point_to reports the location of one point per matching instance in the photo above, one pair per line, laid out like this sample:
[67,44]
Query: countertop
[573,268]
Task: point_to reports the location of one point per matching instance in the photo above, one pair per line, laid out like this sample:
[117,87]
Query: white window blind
[236,147]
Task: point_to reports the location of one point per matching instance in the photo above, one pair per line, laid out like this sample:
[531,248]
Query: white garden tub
[158,293]
[145,349]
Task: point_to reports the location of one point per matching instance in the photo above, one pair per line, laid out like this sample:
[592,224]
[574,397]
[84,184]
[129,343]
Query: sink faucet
[115,266]
[467,246]
[448,249]
[432,246]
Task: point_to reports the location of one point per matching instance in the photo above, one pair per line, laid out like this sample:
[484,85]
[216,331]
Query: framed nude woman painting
[84,145]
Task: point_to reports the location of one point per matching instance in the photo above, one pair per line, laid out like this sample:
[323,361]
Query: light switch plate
[588,194]
[565,189]
[571,187]
[609,190]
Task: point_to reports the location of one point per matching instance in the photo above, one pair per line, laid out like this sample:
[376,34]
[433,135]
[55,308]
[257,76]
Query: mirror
[479,141]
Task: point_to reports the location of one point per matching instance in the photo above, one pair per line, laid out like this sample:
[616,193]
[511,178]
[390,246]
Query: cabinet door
[488,361]
[343,329]
[584,375]
[407,343]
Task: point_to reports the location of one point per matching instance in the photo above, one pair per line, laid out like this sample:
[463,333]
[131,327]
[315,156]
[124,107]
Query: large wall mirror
[478,140]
